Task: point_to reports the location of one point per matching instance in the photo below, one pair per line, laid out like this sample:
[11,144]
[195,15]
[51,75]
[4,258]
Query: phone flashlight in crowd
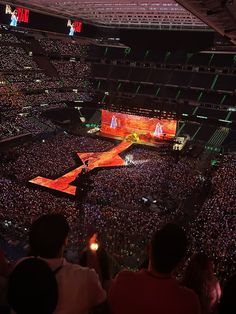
[93,244]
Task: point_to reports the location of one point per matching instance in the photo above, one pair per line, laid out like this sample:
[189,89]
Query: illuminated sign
[75,27]
[18,15]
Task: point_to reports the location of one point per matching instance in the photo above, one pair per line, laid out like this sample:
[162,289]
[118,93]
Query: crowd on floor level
[114,205]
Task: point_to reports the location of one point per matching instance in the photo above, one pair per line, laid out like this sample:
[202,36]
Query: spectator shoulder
[192,298]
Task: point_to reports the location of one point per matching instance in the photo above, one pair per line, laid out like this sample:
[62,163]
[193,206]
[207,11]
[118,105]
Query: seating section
[166,77]
[217,138]
[65,47]
[190,129]
[204,80]
[26,88]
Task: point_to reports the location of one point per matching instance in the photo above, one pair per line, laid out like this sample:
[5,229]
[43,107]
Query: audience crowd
[8,38]
[213,229]
[32,122]
[14,58]
[115,199]
[64,47]
[124,208]
[47,281]
[72,68]
[24,85]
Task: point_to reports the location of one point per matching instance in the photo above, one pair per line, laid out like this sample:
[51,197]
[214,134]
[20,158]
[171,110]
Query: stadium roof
[160,14]
[122,13]
[219,14]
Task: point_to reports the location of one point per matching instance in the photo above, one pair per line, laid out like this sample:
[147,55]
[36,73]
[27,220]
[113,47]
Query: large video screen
[123,125]
[75,27]
[16,16]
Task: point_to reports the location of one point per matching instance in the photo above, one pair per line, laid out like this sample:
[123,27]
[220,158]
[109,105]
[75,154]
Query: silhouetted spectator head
[168,247]
[32,288]
[228,300]
[48,235]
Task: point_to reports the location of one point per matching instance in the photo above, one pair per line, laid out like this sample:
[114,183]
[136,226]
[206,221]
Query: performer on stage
[158,130]
[86,163]
[113,124]
[129,160]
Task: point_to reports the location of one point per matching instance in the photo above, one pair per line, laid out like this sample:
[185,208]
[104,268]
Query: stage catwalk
[90,161]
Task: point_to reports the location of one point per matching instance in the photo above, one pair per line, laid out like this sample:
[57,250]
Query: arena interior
[121,116]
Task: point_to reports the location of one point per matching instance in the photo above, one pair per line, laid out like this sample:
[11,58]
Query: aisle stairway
[44,63]
[217,139]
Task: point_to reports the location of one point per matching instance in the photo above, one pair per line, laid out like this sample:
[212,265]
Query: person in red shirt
[155,290]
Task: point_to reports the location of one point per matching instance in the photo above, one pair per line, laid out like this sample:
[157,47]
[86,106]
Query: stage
[150,142]
[92,160]
[110,158]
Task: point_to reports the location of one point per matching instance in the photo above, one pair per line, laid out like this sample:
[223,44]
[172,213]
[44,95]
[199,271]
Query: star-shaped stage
[110,158]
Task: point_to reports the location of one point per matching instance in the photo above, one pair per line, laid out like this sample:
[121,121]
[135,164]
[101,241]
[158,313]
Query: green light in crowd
[127,51]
